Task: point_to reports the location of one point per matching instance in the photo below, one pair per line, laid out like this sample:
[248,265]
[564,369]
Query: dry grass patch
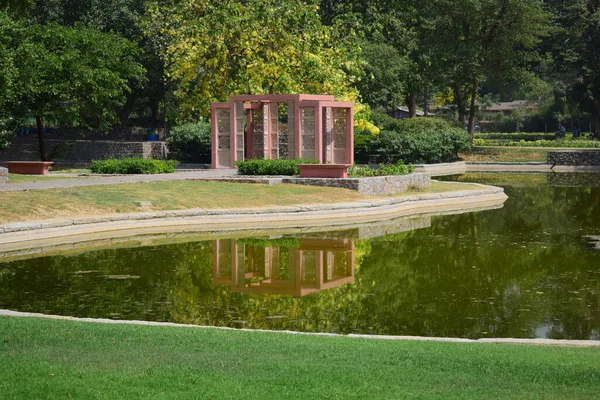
[109,199]
[505,154]
[19,178]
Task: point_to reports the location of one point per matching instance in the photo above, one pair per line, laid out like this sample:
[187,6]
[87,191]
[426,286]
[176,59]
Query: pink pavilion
[284,126]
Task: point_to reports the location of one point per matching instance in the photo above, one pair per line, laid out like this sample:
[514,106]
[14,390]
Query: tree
[218,48]
[573,48]
[382,84]
[480,40]
[74,76]
[386,33]
[125,18]
[11,35]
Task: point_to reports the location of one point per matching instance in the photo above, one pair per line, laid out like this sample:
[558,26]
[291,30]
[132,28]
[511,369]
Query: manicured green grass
[505,154]
[108,199]
[65,359]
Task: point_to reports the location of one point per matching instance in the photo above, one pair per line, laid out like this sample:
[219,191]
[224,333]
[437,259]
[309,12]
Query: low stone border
[544,342]
[317,214]
[3,175]
[461,167]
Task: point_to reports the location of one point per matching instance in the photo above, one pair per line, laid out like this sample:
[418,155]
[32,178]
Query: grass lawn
[505,154]
[50,359]
[100,200]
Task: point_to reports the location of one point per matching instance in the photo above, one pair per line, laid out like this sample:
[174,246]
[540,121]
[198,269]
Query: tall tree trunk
[411,103]
[460,105]
[157,114]
[426,103]
[40,132]
[596,115]
[127,108]
[473,109]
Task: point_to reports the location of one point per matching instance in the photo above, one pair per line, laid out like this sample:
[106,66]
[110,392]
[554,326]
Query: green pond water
[525,270]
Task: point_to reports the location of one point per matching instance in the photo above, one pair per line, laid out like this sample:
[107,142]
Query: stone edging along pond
[247,218]
[538,342]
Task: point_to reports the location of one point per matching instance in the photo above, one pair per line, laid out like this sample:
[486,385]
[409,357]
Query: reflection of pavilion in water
[308,266]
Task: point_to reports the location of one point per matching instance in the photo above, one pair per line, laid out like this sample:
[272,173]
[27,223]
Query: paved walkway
[58,183]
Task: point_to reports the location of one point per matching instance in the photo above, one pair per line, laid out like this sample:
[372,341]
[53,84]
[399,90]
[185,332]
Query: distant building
[402,112]
[508,107]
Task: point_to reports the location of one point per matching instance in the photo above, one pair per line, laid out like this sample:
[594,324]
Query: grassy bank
[505,154]
[64,359]
[101,200]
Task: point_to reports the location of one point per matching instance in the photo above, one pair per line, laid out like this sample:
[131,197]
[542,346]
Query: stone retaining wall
[372,186]
[574,157]
[3,175]
[83,151]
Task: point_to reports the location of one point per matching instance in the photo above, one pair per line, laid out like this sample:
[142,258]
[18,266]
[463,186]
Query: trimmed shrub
[424,145]
[133,166]
[384,170]
[271,167]
[191,142]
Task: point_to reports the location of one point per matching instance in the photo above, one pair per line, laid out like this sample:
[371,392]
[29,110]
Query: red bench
[324,170]
[28,167]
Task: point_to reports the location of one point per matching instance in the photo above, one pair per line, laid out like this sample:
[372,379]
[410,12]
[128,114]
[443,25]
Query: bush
[133,166]
[577,143]
[385,122]
[362,145]
[384,170]
[527,136]
[191,142]
[420,144]
[271,167]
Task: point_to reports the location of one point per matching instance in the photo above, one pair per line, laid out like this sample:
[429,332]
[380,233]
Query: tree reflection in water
[521,271]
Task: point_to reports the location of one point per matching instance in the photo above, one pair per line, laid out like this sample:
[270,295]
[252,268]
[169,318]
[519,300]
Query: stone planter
[370,186]
[324,170]
[28,167]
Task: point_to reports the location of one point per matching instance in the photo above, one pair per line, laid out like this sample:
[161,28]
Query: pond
[525,270]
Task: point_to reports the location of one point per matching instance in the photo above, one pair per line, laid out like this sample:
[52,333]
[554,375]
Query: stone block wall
[372,186]
[83,151]
[574,157]
[3,175]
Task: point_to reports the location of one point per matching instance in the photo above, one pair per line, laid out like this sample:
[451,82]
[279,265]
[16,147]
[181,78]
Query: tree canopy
[384,54]
[218,48]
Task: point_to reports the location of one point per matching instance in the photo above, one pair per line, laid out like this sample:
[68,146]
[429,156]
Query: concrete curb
[271,216]
[538,342]
[462,167]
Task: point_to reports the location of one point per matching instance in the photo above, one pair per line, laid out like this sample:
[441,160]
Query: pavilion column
[292,131]
[249,141]
[274,130]
[328,136]
[266,131]
[350,135]
[298,129]
[318,134]
[232,135]
[239,131]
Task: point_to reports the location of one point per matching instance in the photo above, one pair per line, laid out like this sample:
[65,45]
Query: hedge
[271,167]
[133,166]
